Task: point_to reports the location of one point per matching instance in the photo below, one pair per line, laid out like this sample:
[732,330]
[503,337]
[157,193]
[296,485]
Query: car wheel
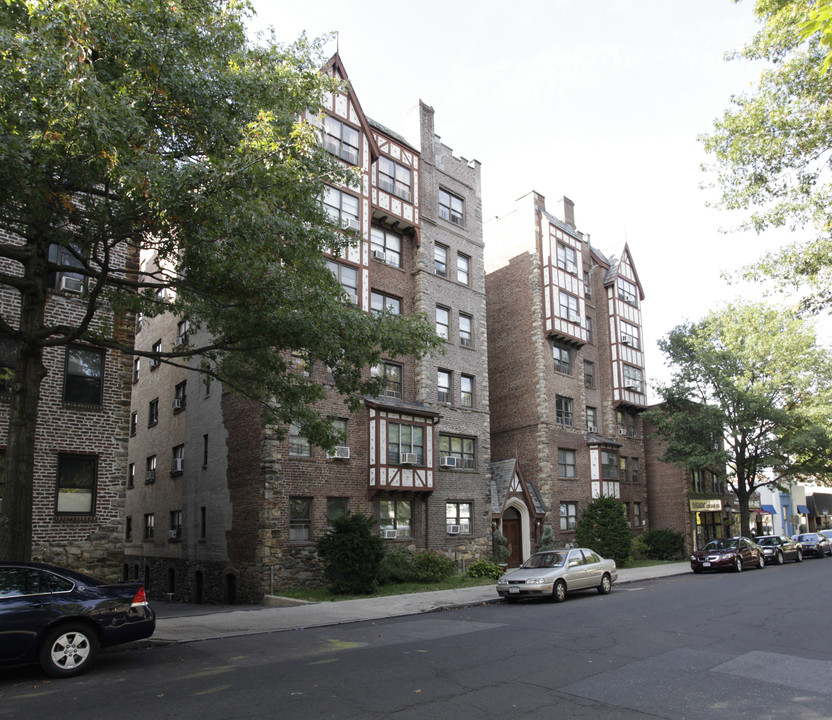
[738,564]
[68,650]
[761,561]
[799,557]
[780,559]
[606,585]
[559,591]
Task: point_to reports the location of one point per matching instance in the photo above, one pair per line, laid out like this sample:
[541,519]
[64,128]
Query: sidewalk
[179,623]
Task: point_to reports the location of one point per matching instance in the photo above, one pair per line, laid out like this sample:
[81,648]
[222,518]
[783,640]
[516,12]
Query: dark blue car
[61,618]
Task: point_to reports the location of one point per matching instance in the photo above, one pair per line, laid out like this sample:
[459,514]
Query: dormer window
[394,178]
[341,140]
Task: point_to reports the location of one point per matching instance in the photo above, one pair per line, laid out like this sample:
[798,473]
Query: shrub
[603,528]
[485,569]
[663,544]
[351,554]
[547,540]
[432,566]
[639,549]
[397,567]
[499,547]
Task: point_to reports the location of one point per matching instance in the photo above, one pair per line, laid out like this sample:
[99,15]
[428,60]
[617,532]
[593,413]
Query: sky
[602,102]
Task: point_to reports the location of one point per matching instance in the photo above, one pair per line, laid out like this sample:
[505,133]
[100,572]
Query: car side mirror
[573,563]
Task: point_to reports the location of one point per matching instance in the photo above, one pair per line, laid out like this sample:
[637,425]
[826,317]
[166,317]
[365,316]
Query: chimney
[568,212]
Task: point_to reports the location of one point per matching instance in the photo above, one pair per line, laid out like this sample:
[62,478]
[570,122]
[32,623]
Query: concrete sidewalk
[179,623]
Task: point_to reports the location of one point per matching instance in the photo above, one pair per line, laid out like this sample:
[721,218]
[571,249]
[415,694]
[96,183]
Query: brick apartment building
[81,436]
[566,367]
[219,509]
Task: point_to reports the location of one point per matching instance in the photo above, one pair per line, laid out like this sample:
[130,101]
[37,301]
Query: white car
[553,573]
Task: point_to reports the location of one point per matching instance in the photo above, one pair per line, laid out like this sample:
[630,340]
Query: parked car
[827,534]
[554,573]
[814,544]
[61,618]
[779,548]
[734,553]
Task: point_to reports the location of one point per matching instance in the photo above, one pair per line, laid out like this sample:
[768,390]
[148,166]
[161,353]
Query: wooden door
[512,531]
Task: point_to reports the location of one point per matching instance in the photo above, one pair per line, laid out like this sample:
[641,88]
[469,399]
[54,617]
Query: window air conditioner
[465,342]
[632,388]
[340,452]
[408,459]
[626,339]
[352,298]
[573,317]
[591,428]
[379,255]
[178,403]
[453,529]
[182,339]
[622,431]
[389,534]
[174,535]
[71,284]
[572,268]
[351,225]
[150,476]
[447,461]
[178,465]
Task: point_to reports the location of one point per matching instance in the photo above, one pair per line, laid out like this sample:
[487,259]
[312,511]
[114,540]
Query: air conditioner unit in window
[573,317]
[178,403]
[178,465]
[447,461]
[379,255]
[409,459]
[591,428]
[341,452]
[465,342]
[71,284]
[632,388]
[182,339]
[453,529]
[351,225]
[626,339]
[352,298]
[174,534]
[389,534]
[150,476]
[571,268]
[622,431]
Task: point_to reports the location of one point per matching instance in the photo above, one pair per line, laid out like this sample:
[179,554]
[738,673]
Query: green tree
[351,554]
[771,148]
[603,528]
[751,392]
[158,124]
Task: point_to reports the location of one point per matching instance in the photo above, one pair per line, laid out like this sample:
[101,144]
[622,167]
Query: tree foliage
[158,124]
[751,395]
[603,528]
[351,554]
[772,147]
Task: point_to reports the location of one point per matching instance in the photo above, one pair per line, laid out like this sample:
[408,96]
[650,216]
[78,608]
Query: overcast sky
[600,101]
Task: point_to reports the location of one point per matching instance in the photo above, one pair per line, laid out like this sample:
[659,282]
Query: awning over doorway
[802,510]
[770,509]
[819,504]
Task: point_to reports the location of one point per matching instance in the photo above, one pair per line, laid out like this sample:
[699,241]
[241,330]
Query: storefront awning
[819,504]
[770,509]
[802,510]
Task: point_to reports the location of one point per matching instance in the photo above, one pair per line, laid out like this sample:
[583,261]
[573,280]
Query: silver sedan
[553,573]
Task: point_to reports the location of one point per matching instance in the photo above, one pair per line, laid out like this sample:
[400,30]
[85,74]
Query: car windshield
[768,541]
[723,544]
[811,537]
[544,560]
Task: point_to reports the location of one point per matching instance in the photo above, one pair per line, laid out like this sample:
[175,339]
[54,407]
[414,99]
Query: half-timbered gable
[563,283]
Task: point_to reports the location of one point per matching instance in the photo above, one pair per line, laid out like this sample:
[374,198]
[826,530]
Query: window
[637,519]
[589,374]
[157,348]
[402,439]
[458,516]
[153,412]
[443,387]
[175,525]
[335,508]
[83,375]
[466,391]
[461,448]
[340,207]
[149,522]
[463,268]
[392,374]
[443,322]
[300,519]
[134,422]
[396,515]
[131,475]
[178,466]
[633,379]
[298,445]
[563,410]
[204,451]
[609,465]
[388,244]
[440,260]
[587,286]
[698,480]
[76,485]
[180,395]
[203,522]
[567,467]
[450,207]
[342,140]
[394,178]
[150,469]
[569,307]
[340,426]
[2,475]
[626,291]
[588,325]
[128,529]
[634,468]
[347,276]
[300,364]
[8,362]
[380,302]
[182,329]
[465,336]
[136,369]
[630,335]
[622,467]
[66,278]
[567,258]
[568,515]
[592,420]
[563,359]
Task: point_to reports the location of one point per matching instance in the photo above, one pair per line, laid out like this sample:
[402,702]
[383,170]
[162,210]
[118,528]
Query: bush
[499,547]
[351,554]
[663,544]
[432,566]
[547,540]
[603,528]
[397,567]
[485,569]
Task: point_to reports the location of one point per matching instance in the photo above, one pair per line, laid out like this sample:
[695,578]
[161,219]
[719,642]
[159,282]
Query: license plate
[514,590]
[706,564]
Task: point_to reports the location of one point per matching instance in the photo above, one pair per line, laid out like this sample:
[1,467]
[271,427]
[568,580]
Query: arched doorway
[513,530]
